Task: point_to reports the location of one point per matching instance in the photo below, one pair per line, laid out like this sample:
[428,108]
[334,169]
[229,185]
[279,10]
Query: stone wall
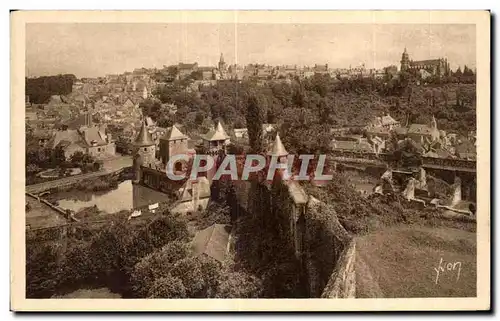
[342,283]
[325,245]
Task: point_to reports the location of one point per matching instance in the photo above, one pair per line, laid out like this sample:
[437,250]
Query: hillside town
[399,143]
[102,114]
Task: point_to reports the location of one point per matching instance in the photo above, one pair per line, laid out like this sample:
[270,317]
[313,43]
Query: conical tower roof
[278,149]
[174,133]
[220,130]
[144,137]
[216,134]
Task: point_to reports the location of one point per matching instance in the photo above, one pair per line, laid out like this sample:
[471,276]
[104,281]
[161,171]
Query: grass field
[401,263]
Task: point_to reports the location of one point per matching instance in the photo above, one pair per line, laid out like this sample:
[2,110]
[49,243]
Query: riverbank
[120,194]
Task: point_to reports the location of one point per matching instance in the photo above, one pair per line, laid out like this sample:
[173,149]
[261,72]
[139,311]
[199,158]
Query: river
[127,196]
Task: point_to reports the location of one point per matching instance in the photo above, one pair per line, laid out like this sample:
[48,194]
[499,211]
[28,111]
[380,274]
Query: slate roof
[212,241]
[70,135]
[433,62]
[93,136]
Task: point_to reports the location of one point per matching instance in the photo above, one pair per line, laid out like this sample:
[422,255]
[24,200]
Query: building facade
[436,67]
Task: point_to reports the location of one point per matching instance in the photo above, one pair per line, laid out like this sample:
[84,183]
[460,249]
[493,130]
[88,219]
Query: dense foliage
[305,109]
[264,245]
[146,259]
[104,257]
[41,89]
[41,158]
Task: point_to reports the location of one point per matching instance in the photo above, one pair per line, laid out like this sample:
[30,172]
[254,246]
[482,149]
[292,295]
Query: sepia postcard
[250,160]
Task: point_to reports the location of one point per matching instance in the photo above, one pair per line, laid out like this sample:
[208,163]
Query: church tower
[405,61]
[145,93]
[222,64]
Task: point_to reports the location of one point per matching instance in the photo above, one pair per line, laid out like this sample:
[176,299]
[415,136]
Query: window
[98,149]
[145,149]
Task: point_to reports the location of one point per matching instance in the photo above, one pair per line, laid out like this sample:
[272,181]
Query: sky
[92,50]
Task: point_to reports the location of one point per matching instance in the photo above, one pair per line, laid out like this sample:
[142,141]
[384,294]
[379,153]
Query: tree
[468,72]
[167,287]
[214,213]
[58,157]
[410,93]
[42,276]
[444,95]
[324,111]
[156,265]
[199,276]
[407,155]
[255,117]
[40,89]
[239,285]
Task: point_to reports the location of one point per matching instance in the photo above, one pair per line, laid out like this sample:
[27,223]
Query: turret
[144,146]
[174,142]
[278,149]
[216,140]
[277,154]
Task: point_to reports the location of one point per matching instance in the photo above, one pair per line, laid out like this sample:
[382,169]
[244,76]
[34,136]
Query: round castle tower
[144,151]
